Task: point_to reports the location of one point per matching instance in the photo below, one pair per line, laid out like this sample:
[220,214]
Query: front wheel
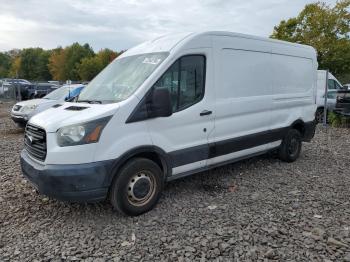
[290,148]
[137,187]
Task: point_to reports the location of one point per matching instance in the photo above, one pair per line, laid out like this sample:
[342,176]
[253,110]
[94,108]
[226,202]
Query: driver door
[184,134]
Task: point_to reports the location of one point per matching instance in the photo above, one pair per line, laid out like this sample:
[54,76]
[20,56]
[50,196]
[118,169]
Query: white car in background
[331,99]
[333,85]
[23,111]
[347,86]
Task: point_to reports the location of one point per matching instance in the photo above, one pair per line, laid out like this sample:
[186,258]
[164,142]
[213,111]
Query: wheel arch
[154,153]
[307,130]
[300,126]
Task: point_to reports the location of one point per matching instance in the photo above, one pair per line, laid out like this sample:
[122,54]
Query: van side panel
[243,90]
[293,90]
[293,86]
[242,93]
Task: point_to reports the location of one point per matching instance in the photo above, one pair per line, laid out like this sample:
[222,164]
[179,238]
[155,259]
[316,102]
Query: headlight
[80,134]
[28,109]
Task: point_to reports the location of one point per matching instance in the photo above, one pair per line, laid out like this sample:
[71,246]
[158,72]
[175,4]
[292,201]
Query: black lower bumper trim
[19,120]
[74,183]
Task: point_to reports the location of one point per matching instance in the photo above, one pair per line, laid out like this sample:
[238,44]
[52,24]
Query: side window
[337,86]
[170,80]
[185,80]
[331,84]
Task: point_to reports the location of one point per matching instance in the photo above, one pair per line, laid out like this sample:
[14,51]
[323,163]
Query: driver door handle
[205,113]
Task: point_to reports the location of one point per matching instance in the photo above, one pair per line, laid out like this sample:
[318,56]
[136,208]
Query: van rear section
[171,107]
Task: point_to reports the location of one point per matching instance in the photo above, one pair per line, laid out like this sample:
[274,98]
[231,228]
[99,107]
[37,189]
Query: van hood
[71,113]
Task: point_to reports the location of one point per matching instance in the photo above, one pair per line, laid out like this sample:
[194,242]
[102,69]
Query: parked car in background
[11,87]
[31,91]
[11,81]
[333,85]
[42,89]
[342,105]
[3,87]
[169,108]
[347,86]
[54,82]
[23,111]
[331,99]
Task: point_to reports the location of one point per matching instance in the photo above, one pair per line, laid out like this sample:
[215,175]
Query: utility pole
[325,101]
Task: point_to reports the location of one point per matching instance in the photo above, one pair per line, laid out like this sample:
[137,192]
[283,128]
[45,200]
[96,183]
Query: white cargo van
[171,107]
[333,85]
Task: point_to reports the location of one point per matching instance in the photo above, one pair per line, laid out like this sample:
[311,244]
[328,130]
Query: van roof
[168,42]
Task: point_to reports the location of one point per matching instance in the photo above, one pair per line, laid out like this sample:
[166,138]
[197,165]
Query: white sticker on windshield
[151,60]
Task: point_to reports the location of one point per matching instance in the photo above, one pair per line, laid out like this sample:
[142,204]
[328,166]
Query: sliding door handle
[205,113]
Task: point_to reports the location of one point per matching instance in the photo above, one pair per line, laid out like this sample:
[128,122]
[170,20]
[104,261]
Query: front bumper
[74,183]
[20,119]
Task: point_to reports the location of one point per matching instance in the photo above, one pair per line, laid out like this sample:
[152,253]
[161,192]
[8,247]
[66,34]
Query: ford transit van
[171,107]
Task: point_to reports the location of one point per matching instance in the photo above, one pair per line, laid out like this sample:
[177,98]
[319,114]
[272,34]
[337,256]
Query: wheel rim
[141,188]
[293,147]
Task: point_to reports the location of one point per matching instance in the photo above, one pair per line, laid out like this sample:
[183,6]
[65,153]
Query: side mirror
[161,105]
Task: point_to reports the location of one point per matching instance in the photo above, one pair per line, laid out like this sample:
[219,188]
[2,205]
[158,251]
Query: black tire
[319,115]
[290,148]
[137,187]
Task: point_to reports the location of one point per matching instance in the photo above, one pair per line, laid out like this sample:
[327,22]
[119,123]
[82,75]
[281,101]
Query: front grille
[35,142]
[17,108]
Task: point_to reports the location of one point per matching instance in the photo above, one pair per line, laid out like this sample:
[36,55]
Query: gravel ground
[259,209]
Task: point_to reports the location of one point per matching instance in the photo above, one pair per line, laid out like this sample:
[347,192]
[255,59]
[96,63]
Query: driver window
[185,80]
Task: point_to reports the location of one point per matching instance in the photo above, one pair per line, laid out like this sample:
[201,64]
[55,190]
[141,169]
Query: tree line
[74,62]
[325,28]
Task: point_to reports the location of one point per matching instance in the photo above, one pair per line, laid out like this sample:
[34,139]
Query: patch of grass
[337,120]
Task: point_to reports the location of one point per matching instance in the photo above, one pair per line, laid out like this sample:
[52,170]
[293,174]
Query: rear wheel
[137,187]
[290,148]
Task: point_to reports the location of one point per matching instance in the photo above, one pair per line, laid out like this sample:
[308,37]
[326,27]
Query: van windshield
[121,78]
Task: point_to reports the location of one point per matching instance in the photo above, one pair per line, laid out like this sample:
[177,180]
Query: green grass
[336,120]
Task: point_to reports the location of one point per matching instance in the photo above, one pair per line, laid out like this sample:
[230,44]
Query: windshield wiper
[90,101]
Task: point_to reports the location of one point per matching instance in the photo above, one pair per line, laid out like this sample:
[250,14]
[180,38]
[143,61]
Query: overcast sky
[121,24]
